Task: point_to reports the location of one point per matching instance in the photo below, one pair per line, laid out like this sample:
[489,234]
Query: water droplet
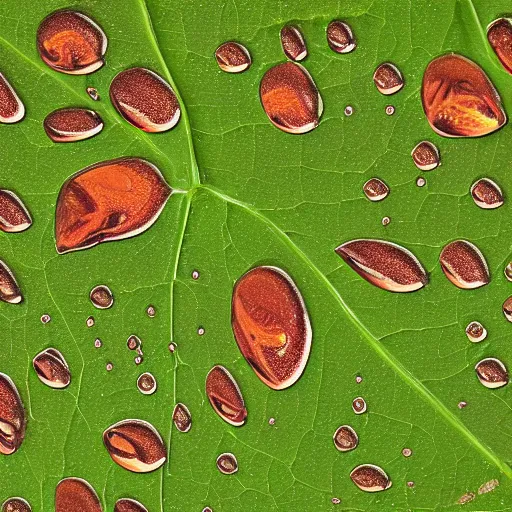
[12,109]
[499,34]
[487,194]
[359,379]
[45,318]
[146,384]
[390,110]
[385,221]
[476,332]
[90,321]
[464,265]
[52,369]
[12,416]
[101,297]
[290,98]
[16,505]
[72,124]
[135,445]
[271,421]
[340,37]
[507,309]
[200,331]
[406,452]
[76,495]
[129,505]
[225,396]
[14,216]
[508,271]
[233,57]
[109,367]
[370,478]
[384,264]
[458,98]
[425,156]
[145,100]
[227,463]
[375,189]
[98,343]
[488,486]
[138,360]
[71,42]
[110,200]
[93,93]
[492,373]
[388,79]
[207,509]
[335,501]
[172,347]
[462,404]
[195,275]
[292,41]
[271,325]
[359,405]
[345,438]
[151,311]
[182,417]
[410,484]
[466,498]
[349,110]
[421,182]
[133,342]
[9,289]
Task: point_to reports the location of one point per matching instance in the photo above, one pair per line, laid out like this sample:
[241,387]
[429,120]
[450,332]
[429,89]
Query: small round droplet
[109,367]
[421,182]
[335,501]
[370,478]
[227,463]
[138,360]
[195,275]
[390,110]
[133,342]
[385,221]
[464,265]
[233,57]
[207,509]
[93,93]
[200,331]
[410,484]
[172,347]
[101,297]
[462,404]
[146,384]
[406,452]
[499,34]
[345,438]
[349,110]
[359,405]
[508,272]
[359,379]
[16,505]
[425,156]
[45,318]
[388,79]
[507,309]
[487,194]
[340,37]
[52,369]
[492,373]
[72,124]
[151,311]
[375,189]
[90,321]
[182,417]
[476,332]
[271,421]
[98,343]
[292,41]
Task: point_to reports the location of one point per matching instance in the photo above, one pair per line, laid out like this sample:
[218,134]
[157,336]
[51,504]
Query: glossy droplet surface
[9,289]
[406,452]
[145,100]
[93,93]
[375,189]
[16,505]
[292,41]
[89,322]
[487,194]
[345,438]
[388,79]
[492,373]
[464,265]
[233,57]
[135,445]
[12,109]
[14,216]
[499,34]
[76,495]
[359,405]
[225,396]
[146,384]
[384,264]
[507,309]
[508,271]
[340,37]
[227,463]
[52,369]
[101,297]
[458,98]
[425,156]
[71,42]
[133,342]
[129,505]
[72,124]
[290,98]
[271,325]
[182,418]
[476,332]
[370,478]
[107,201]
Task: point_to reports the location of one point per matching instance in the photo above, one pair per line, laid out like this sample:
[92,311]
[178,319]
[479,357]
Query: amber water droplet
[271,325]
[133,342]
[76,495]
[71,42]
[182,418]
[151,311]
[16,505]
[146,384]
[225,396]
[145,100]
[425,156]
[388,79]
[107,201]
[129,505]
[492,373]
[135,445]
[292,41]
[233,57]
[227,463]
[384,264]
[488,486]
[458,98]
[90,321]
[421,182]
[508,271]
[499,34]
[72,124]
[52,369]
[406,452]
[340,37]
[9,289]
[12,109]
[507,309]
[101,297]
[12,416]
[390,110]
[45,318]
[345,438]
[14,216]
[487,194]
[290,98]
[93,93]
[464,265]
[359,405]
[375,189]
[370,478]
[476,332]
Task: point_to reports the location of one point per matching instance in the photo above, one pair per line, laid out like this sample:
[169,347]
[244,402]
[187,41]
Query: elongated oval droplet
[464,265]
[135,445]
[101,297]
[225,396]
[487,194]
[476,332]
[492,373]
[12,416]
[292,41]
[76,495]
[129,505]
[72,124]
[370,478]
[345,438]
[233,57]
[14,216]
[107,201]
[388,79]
[71,42]
[52,369]
[290,98]
[375,189]
[145,100]
[9,290]
[384,264]
[271,325]
[458,98]
[182,418]
[16,505]
[499,34]
[425,156]
[340,37]
[507,309]
[227,463]
[12,109]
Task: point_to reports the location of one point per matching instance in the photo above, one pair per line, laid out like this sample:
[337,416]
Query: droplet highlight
[12,416]
[345,438]
[499,35]
[425,156]
[72,124]
[370,478]
[340,37]
[388,79]
[492,373]
[182,418]
[146,384]
[9,290]
[233,57]
[101,297]
[12,109]
[76,495]
[476,332]
[487,194]
[52,369]
[292,41]
[375,189]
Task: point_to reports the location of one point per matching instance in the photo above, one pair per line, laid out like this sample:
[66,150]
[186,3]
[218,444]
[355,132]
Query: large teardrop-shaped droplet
[107,201]
[52,369]
[499,34]
[458,98]
[12,109]
[384,264]
[14,216]
[16,505]
[72,124]
[128,505]
[370,478]
[271,325]
[76,495]
[9,290]
[182,417]
[12,416]
[290,98]
[492,373]
[292,41]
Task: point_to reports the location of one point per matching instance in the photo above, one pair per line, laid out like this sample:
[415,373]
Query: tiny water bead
[76,495]
[292,41]
[195,275]
[359,379]
[172,347]
[9,290]
[101,297]
[151,311]
[98,343]
[335,501]
[72,124]
[271,421]
[421,182]
[45,318]
[340,37]
[508,271]
[492,373]
[14,216]
[349,110]
[345,438]
[138,360]
[425,156]
[109,367]
[476,332]
[462,405]
[359,405]
[182,418]
[375,189]
[499,34]
[12,416]
[12,109]
[390,110]
[52,369]
[406,452]
[89,322]
[486,194]
[70,42]
[385,221]
[227,463]
[93,93]
[200,331]
[370,478]
[388,79]
[233,57]
[507,309]
[410,484]
[146,384]
[129,505]
[16,505]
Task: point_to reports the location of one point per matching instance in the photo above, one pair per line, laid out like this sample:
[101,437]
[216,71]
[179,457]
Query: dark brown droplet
[145,100]
[340,37]
[458,98]
[71,42]
[9,289]
[233,57]
[12,416]
[271,325]
[464,265]
[76,495]
[492,373]
[225,396]
[375,189]
[384,264]
[133,342]
[292,41]
[290,98]
[425,156]
[345,438]
[135,445]
[359,405]
[181,417]
[107,201]
[507,309]
[14,216]
[101,297]
[146,384]
[227,463]
[476,332]
[52,369]
[499,34]
[16,505]
[388,79]
[487,194]
[72,124]
[370,478]
[12,109]
[129,505]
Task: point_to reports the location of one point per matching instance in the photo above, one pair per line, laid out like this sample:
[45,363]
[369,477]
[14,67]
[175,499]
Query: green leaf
[255,195]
